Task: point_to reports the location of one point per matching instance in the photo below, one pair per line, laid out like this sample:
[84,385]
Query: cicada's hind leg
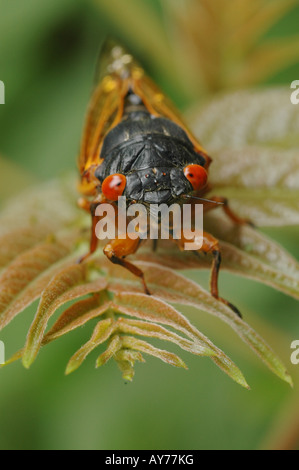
[91,208]
[118,249]
[211,245]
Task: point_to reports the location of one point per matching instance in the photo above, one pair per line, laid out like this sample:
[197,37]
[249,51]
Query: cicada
[135,144]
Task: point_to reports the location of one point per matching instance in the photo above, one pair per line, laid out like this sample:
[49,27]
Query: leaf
[253,164]
[267,14]
[126,359]
[115,345]
[127,355]
[270,121]
[50,205]
[101,333]
[27,276]
[12,172]
[153,309]
[143,346]
[71,283]
[237,53]
[126,368]
[269,58]
[14,243]
[77,315]
[253,255]
[143,328]
[174,288]
[238,262]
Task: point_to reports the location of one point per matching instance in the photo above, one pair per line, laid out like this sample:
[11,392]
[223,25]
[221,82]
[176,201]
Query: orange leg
[211,245]
[225,205]
[116,251]
[90,207]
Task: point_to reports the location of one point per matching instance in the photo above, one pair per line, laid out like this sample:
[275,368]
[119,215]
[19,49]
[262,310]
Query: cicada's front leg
[210,245]
[90,206]
[116,250]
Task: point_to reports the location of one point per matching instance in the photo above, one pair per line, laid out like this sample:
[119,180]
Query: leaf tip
[99,362]
[128,377]
[71,367]
[27,359]
[288,379]
[181,363]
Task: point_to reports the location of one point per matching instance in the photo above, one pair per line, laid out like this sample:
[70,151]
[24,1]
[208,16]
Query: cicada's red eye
[197,176]
[113,186]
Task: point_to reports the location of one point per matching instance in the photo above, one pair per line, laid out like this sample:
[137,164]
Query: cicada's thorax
[151,152]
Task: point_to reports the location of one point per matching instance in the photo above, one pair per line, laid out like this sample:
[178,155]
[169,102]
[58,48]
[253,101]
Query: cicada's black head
[151,161]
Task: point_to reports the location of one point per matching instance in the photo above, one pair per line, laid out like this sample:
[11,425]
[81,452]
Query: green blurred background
[48,52]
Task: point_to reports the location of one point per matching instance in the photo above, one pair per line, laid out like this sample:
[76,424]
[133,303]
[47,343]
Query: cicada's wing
[105,109]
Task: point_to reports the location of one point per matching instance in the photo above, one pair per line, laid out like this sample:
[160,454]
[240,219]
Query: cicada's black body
[151,152]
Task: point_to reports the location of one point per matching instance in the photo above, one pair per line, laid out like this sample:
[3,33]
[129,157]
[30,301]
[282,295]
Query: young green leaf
[152,330]
[101,333]
[154,309]
[126,359]
[143,346]
[115,345]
